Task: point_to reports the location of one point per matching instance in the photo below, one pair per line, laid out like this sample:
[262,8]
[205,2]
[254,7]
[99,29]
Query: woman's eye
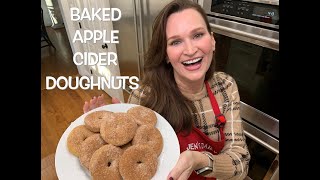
[174,43]
[198,35]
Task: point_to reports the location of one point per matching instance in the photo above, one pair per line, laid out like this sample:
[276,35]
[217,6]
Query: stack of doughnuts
[118,145]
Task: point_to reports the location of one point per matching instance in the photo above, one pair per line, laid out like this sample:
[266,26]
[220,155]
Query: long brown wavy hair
[164,96]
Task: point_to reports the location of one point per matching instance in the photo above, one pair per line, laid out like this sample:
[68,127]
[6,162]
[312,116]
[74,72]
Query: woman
[180,84]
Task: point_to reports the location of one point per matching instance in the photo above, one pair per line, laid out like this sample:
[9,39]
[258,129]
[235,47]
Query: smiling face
[189,45]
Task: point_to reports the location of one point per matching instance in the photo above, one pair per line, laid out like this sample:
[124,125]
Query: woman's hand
[188,162]
[97,102]
[115,100]
[184,166]
[93,103]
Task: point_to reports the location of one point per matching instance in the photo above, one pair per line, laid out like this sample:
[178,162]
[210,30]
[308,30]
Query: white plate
[68,166]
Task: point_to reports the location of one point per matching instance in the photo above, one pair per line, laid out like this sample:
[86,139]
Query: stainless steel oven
[247,47]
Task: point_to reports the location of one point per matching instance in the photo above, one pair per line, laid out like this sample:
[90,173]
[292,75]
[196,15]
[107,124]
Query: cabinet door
[71,28]
[101,71]
[96,71]
[84,70]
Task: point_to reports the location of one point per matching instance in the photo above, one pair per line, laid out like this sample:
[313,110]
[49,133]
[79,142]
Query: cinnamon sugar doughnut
[138,162]
[149,135]
[94,119]
[88,147]
[119,129]
[76,137]
[143,115]
[104,163]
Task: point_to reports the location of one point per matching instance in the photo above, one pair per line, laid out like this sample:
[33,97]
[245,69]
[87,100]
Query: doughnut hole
[76,137]
[88,147]
[138,162]
[149,135]
[104,163]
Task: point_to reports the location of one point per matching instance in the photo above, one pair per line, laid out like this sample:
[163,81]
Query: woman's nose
[189,49]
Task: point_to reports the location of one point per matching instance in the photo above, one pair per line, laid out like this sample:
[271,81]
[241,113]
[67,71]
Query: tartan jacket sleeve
[136,95]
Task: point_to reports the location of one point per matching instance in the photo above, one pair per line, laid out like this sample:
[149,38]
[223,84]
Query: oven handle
[261,142]
[273,171]
[245,34]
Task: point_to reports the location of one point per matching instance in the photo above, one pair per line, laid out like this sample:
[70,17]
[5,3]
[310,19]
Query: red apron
[198,141]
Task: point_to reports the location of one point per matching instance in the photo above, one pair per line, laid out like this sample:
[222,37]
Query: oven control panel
[246,11]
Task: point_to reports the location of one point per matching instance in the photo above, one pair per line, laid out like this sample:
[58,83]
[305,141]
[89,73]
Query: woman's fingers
[100,101]
[97,102]
[185,175]
[183,169]
[115,100]
[180,172]
[86,107]
[93,103]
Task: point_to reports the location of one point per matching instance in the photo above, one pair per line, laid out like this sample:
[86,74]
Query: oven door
[250,54]
[253,61]
[264,151]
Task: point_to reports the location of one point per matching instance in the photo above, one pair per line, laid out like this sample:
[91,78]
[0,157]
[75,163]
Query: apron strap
[220,119]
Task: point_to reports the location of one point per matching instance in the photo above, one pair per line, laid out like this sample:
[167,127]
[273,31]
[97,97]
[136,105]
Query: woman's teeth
[193,61]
